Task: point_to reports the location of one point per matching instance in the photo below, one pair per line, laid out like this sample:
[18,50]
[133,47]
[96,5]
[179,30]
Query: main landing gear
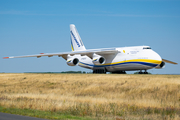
[99,71]
[145,72]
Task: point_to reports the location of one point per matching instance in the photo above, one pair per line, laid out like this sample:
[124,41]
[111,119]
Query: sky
[42,26]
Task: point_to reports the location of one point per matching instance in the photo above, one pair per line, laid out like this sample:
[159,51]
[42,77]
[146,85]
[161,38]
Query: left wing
[64,54]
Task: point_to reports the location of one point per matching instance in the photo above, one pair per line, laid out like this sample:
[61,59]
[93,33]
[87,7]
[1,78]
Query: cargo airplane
[115,60]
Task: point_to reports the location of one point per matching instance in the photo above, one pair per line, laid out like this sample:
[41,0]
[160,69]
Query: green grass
[115,112]
[42,114]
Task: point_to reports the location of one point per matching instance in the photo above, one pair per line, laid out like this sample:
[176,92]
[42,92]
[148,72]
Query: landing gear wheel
[145,72]
[119,72]
[99,71]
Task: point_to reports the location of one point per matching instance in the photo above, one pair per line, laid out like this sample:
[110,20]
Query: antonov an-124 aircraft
[115,60]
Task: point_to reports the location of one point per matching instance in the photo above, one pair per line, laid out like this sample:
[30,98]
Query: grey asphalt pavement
[6,116]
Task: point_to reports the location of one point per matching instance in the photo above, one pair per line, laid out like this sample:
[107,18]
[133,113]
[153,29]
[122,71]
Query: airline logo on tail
[75,39]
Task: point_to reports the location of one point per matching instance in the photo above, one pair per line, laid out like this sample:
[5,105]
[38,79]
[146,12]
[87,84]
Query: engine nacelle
[98,60]
[162,65]
[72,61]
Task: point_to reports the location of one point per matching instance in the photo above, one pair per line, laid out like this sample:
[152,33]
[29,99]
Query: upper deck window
[146,47]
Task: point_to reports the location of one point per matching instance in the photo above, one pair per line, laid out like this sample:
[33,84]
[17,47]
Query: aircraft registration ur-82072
[115,60]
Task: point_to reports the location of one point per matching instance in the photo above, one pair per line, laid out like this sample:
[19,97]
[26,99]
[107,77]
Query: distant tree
[79,72]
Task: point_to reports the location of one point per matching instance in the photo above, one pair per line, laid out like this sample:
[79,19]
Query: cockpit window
[146,47]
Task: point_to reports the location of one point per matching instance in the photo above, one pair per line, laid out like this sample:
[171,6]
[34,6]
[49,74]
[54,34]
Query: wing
[64,54]
[168,61]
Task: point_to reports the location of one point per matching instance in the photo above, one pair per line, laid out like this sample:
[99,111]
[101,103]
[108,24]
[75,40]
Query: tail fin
[76,42]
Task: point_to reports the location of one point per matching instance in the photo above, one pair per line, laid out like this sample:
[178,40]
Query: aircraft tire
[119,72]
[140,72]
[99,71]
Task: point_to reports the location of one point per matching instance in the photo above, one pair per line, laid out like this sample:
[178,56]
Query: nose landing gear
[145,72]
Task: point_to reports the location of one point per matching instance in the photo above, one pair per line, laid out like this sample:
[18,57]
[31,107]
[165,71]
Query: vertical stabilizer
[76,42]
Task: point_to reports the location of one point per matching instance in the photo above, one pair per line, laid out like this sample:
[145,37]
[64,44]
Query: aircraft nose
[156,56]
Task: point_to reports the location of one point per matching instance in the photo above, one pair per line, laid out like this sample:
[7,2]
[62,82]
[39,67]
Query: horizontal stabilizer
[168,61]
[5,57]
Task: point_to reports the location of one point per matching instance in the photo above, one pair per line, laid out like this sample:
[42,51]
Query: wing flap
[169,61]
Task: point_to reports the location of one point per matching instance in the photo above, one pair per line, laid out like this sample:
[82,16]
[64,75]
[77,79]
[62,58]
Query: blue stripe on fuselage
[142,63]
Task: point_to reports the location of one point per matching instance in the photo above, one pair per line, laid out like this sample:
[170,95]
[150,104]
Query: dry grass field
[99,96]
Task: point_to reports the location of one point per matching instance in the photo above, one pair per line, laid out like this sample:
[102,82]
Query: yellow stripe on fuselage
[137,60]
[133,60]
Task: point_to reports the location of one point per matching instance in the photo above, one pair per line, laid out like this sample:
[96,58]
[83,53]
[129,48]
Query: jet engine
[72,61]
[162,65]
[98,60]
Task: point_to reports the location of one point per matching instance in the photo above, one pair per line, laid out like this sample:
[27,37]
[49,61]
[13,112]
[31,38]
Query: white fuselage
[126,59]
